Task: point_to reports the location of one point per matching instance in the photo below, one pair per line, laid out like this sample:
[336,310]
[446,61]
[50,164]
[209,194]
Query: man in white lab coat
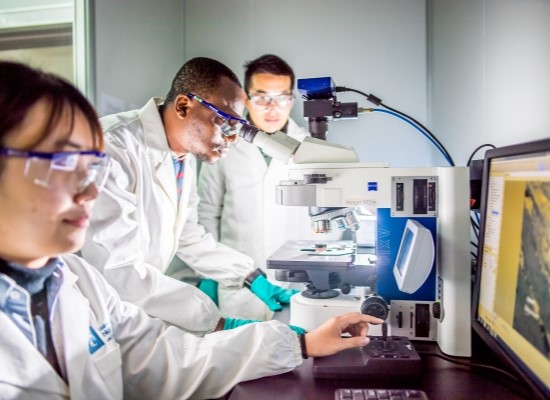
[146,215]
[238,193]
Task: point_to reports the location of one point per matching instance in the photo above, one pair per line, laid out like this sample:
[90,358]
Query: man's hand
[327,339]
[272,295]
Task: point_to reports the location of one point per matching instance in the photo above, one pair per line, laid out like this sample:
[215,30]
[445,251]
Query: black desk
[440,379]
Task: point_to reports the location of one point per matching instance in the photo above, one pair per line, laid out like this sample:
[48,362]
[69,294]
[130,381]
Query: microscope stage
[301,254]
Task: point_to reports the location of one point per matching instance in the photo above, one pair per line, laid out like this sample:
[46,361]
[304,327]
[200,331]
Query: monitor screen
[511,303]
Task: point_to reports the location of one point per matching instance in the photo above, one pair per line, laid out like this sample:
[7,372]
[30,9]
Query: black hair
[22,86]
[199,76]
[270,64]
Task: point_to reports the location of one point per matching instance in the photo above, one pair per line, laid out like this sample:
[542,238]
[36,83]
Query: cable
[477,149]
[377,101]
[426,134]
[423,127]
[474,365]
[430,138]
[470,364]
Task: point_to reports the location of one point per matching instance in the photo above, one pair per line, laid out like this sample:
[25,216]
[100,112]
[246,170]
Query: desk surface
[440,379]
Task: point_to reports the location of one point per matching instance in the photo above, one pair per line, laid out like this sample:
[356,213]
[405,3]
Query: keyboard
[380,394]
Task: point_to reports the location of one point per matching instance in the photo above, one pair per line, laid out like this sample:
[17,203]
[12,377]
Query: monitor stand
[392,357]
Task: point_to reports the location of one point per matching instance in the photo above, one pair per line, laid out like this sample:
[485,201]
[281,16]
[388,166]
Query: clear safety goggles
[264,100]
[72,170]
[226,123]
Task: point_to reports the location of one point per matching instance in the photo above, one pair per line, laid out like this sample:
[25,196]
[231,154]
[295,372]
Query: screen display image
[512,296]
[415,257]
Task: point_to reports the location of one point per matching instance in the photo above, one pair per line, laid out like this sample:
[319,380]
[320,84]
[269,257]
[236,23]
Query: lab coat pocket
[109,365]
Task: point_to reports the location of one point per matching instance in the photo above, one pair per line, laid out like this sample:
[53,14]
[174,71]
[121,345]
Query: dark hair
[199,76]
[21,87]
[269,64]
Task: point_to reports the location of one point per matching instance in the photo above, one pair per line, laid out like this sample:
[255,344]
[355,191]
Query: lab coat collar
[153,128]
[15,368]
[74,319]
[159,151]
[16,351]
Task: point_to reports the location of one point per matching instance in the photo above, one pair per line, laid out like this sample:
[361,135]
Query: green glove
[272,295]
[297,329]
[231,323]
[210,288]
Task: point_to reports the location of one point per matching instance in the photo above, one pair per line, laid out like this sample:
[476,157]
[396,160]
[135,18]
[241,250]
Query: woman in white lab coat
[65,332]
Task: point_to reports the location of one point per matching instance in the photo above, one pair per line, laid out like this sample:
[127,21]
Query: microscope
[417,278]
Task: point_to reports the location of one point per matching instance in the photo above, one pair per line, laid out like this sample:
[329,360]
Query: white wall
[473,71]
[490,72]
[377,47]
[26,13]
[138,48]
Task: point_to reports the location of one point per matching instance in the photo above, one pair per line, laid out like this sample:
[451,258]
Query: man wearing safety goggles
[247,176]
[147,214]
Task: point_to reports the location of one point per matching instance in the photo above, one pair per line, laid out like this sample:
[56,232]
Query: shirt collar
[7,283]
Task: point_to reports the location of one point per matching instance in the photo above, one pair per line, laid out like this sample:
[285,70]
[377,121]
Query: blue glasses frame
[65,161]
[9,152]
[225,116]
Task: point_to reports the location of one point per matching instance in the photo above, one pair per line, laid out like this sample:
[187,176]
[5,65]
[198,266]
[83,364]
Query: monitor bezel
[539,146]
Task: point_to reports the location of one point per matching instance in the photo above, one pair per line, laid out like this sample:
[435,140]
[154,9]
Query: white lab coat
[137,227]
[238,202]
[143,358]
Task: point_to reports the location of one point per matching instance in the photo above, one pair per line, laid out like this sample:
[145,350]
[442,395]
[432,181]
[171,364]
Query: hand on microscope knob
[272,295]
[327,339]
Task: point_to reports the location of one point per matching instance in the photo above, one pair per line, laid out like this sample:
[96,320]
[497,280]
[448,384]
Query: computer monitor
[511,296]
[415,257]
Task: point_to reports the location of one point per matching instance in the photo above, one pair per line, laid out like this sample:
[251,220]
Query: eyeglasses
[262,100]
[227,124]
[73,170]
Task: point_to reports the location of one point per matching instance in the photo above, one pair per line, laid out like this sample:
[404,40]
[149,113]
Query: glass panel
[47,48]
[39,33]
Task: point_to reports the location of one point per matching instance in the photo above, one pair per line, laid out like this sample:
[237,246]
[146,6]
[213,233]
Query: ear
[181,105]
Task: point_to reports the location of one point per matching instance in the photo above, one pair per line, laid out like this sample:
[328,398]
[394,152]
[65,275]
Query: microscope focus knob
[345,288]
[376,306]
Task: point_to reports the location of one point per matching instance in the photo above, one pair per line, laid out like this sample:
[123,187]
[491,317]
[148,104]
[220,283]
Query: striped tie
[178,169]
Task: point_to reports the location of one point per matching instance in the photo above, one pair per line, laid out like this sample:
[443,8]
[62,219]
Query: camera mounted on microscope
[321,105]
